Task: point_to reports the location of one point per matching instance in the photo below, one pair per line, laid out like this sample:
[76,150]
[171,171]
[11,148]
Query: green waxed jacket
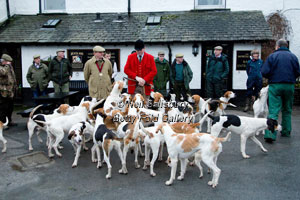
[60,72]
[38,77]
[187,73]
[163,74]
[217,68]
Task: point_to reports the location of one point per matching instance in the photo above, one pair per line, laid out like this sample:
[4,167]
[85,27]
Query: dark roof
[187,26]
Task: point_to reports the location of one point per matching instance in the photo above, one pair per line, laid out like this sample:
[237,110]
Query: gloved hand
[140,80]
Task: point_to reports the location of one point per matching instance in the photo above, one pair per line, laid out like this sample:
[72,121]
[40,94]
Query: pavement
[31,175]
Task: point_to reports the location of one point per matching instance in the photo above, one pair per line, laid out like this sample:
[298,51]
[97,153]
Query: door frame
[228,50]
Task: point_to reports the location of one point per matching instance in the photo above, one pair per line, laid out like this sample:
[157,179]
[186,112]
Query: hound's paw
[210,183]
[30,149]
[40,141]
[160,159]
[4,151]
[137,165]
[264,150]
[145,167]
[94,160]
[59,155]
[180,178]
[246,156]
[86,148]
[60,147]
[209,171]
[51,155]
[153,174]
[108,176]
[169,183]
[74,165]
[192,163]
[201,176]
[99,165]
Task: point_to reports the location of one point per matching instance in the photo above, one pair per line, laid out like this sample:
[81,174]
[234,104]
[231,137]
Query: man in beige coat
[97,74]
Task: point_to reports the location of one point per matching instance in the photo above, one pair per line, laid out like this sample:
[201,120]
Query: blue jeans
[37,93]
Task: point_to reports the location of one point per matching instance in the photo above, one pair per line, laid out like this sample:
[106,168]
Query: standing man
[8,86]
[60,72]
[281,69]
[37,76]
[181,76]
[217,69]
[140,69]
[163,74]
[97,74]
[254,81]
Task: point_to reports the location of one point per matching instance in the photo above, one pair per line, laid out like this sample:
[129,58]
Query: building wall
[46,51]
[3,11]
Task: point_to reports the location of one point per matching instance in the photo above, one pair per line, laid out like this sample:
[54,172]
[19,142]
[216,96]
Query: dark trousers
[179,89]
[253,87]
[37,93]
[6,108]
[214,89]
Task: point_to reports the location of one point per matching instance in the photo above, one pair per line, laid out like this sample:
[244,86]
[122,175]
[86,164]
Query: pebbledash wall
[290,9]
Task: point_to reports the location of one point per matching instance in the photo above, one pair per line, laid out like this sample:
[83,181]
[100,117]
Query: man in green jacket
[163,74]
[37,77]
[181,76]
[60,72]
[217,69]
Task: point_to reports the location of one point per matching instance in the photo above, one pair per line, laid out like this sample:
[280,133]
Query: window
[210,4]
[54,5]
[153,20]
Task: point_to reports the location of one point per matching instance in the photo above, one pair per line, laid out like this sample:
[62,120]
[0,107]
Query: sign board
[78,57]
[242,57]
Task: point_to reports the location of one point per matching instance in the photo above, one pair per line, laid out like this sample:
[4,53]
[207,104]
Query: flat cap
[161,53]
[98,49]
[179,55]
[36,56]
[218,48]
[6,57]
[139,45]
[60,50]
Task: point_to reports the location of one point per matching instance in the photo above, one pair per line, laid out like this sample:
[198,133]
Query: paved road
[272,175]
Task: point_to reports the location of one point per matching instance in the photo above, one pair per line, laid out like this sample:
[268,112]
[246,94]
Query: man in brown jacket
[8,85]
[97,74]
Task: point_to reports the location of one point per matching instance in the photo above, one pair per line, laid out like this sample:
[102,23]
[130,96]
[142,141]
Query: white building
[239,26]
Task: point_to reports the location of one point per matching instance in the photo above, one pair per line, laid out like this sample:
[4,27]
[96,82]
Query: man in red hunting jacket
[141,70]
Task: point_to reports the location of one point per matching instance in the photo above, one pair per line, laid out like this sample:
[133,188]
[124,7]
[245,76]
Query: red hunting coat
[146,70]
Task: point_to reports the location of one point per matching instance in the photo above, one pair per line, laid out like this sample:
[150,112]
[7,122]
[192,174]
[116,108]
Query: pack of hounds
[121,122]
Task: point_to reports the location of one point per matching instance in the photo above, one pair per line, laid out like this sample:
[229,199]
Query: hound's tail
[33,111]
[6,122]
[225,139]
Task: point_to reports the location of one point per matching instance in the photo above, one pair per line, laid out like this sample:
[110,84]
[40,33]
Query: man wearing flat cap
[97,74]
[60,72]
[8,86]
[37,76]
[140,69]
[181,76]
[163,74]
[217,69]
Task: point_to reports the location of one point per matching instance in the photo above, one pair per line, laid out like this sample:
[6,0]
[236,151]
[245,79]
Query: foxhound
[183,146]
[245,126]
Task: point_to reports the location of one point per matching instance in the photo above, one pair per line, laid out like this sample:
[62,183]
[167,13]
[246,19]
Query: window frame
[52,11]
[222,6]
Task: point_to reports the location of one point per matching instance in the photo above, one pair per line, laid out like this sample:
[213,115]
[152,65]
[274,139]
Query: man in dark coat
[281,69]
[181,75]
[60,72]
[163,74]
[217,69]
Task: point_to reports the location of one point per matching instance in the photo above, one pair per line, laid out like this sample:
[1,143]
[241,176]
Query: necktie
[140,58]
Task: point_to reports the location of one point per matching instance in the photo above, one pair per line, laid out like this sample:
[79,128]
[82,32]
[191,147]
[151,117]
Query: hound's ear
[71,135]
[271,124]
